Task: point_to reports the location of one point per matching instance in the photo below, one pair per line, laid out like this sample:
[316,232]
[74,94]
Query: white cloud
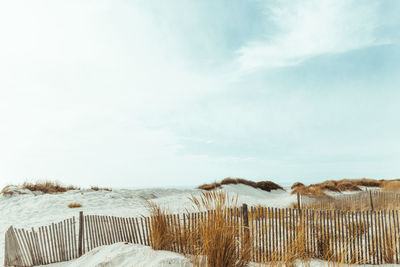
[310,28]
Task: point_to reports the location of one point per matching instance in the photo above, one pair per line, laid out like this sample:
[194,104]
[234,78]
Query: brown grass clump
[297,184]
[74,205]
[390,245]
[7,191]
[268,186]
[297,248]
[391,186]
[47,187]
[96,188]
[336,186]
[209,187]
[161,230]
[329,187]
[309,191]
[368,182]
[381,200]
[229,180]
[348,187]
[263,185]
[217,237]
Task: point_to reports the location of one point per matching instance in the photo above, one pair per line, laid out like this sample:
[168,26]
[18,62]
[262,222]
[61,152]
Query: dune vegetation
[74,205]
[212,241]
[263,185]
[46,187]
[96,188]
[344,185]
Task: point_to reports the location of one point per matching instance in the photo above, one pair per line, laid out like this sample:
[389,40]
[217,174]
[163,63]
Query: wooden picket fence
[360,237]
[47,244]
[365,200]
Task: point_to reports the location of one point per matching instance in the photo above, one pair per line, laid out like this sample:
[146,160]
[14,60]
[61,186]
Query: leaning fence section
[53,243]
[356,237]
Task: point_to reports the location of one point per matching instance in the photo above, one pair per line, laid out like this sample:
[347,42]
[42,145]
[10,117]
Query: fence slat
[15,233]
[145,237]
[119,230]
[138,231]
[29,245]
[59,243]
[121,227]
[132,224]
[99,241]
[37,245]
[100,230]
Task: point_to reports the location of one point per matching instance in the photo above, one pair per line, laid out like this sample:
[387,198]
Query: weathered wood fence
[363,237]
[359,237]
[47,244]
[365,200]
[69,240]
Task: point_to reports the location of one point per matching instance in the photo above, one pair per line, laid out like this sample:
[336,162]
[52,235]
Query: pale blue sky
[166,93]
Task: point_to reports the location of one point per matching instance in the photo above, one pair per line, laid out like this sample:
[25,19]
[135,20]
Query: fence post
[81,229]
[245,216]
[298,203]
[370,197]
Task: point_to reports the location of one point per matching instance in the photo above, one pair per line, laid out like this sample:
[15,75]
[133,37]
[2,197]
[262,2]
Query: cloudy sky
[178,93]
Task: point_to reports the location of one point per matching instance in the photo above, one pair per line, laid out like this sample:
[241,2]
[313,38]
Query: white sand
[131,255]
[32,210]
[121,254]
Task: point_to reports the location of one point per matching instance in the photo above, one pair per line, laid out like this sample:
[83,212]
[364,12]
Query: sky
[185,92]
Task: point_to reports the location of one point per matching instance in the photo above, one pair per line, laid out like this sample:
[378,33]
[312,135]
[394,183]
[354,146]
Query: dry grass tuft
[209,187]
[161,230]
[368,182]
[96,188]
[268,186]
[391,249]
[218,239]
[339,186]
[74,205]
[229,180]
[355,202]
[297,248]
[263,185]
[329,187]
[47,187]
[345,186]
[7,191]
[213,240]
[309,191]
[297,184]
[391,186]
